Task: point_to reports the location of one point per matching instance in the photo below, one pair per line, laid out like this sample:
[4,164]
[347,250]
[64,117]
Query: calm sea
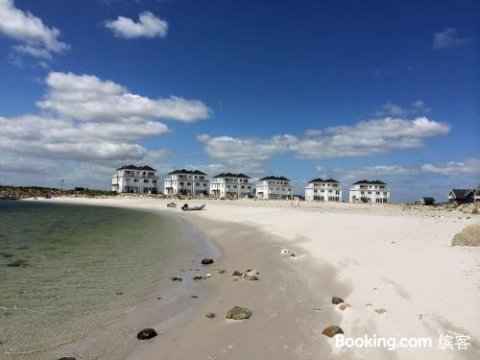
[65,269]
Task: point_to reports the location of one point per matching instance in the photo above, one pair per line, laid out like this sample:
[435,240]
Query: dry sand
[373,256]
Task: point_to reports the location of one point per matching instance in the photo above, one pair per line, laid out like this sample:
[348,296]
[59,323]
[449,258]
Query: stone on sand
[337,300]
[239,313]
[469,236]
[332,330]
[146,334]
[207,261]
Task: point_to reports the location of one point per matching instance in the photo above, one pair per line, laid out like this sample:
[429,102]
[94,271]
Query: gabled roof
[133,167]
[223,175]
[325,181]
[282,178]
[461,194]
[190,172]
[368,182]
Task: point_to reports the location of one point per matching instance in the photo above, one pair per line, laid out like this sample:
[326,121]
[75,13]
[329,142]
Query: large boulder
[239,313]
[469,236]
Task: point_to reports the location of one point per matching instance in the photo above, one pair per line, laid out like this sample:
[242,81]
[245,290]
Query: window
[189,184]
[197,184]
[181,183]
[145,181]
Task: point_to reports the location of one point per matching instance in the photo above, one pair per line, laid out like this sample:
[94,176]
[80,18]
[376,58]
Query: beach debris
[285,252]
[18,263]
[222,271]
[198,277]
[210,315]
[207,261]
[146,334]
[194,297]
[208,276]
[119,292]
[344,306]
[239,313]
[6,255]
[469,236]
[332,330]
[337,300]
[380,311]
[176,278]
[159,298]
[291,255]
[252,278]
[237,273]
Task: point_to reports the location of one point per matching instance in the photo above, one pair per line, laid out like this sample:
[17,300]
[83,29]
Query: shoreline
[375,256]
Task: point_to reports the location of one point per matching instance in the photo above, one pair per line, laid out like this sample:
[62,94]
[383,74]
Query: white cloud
[38,40]
[448,38]
[390,109]
[148,25]
[88,98]
[72,135]
[365,138]
[470,167]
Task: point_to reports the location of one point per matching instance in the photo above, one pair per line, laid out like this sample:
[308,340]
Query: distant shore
[392,264]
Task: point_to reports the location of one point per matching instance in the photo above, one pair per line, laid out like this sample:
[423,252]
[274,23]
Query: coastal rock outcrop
[207,261]
[146,334]
[332,330]
[469,236]
[239,313]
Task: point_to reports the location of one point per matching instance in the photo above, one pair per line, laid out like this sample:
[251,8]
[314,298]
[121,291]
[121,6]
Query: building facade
[135,179]
[371,192]
[231,185]
[328,190]
[461,196]
[273,188]
[186,182]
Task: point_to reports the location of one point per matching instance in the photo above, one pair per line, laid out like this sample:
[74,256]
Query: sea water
[67,269]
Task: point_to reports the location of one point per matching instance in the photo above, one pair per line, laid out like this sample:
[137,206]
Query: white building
[273,188]
[231,185]
[186,182]
[372,192]
[323,190]
[135,179]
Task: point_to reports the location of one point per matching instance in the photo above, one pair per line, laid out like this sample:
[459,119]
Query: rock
[207,261]
[344,306]
[119,293]
[337,300]
[198,277]
[469,236]
[332,330]
[253,272]
[146,334]
[18,263]
[210,315]
[194,297]
[291,255]
[237,273]
[67,358]
[380,311]
[176,278]
[239,313]
[253,278]
[222,271]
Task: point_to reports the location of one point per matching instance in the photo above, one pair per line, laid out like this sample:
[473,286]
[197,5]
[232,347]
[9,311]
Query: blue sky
[344,89]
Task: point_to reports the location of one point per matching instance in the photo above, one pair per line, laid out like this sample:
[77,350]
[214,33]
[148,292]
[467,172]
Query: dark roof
[221,175]
[321,180]
[274,178]
[374,182]
[183,171]
[133,167]
[461,194]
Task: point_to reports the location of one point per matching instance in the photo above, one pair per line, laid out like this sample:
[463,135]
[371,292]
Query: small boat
[172,205]
[191,208]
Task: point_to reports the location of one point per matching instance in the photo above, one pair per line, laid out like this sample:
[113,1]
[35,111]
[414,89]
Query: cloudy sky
[303,89]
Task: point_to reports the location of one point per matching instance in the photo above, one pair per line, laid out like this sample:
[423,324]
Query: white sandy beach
[374,257]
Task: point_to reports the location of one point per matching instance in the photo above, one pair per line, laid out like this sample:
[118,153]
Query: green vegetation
[23,192]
